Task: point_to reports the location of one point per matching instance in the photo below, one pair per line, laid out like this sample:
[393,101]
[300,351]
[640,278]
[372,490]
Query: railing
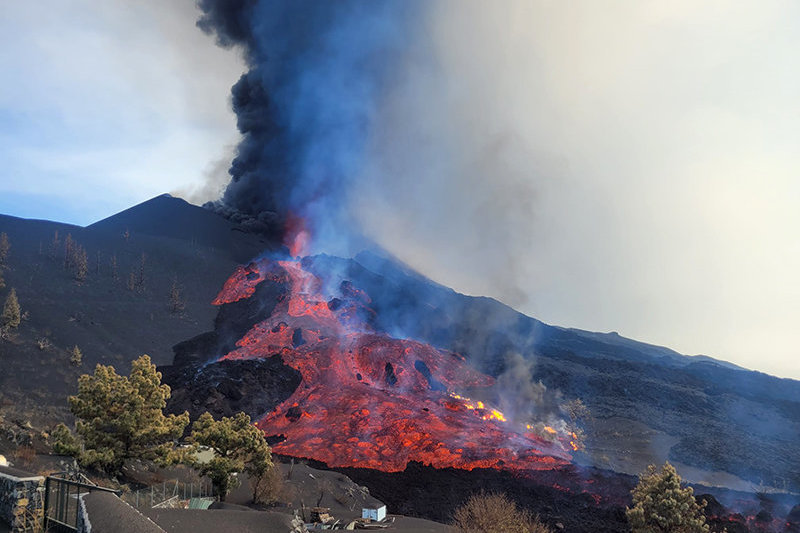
[167,494]
[61,505]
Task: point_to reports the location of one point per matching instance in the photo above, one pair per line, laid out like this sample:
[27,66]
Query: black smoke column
[317,73]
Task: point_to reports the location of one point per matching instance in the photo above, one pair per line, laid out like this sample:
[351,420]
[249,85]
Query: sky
[106,104]
[615,166]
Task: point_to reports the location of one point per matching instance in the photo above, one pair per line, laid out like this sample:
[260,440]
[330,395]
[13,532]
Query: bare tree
[176,302]
[55,246]
[114,269]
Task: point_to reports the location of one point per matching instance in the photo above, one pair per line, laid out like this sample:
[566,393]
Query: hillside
[158,242]
[722,425]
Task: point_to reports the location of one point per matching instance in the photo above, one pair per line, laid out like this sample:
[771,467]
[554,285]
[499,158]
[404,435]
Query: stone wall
[21,495]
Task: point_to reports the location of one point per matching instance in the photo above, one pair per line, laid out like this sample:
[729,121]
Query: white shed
[374,513]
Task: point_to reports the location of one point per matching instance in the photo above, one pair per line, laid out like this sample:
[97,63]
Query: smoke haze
[606,166]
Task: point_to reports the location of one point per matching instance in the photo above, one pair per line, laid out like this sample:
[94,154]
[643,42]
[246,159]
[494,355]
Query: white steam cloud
[621,166]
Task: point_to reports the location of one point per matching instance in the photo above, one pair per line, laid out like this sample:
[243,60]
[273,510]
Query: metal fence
[61,506]
[168,494]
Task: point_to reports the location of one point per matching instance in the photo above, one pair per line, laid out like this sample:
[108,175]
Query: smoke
[317,72]
[520,397]
[353,119]
[212,187]
[578,161]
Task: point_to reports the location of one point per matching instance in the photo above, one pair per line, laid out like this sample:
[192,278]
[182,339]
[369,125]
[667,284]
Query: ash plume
[317,73]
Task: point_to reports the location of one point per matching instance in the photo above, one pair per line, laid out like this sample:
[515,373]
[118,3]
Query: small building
[376,513]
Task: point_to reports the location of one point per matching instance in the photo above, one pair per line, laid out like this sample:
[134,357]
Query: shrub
[495,513]
[268,488]
[661,505]
[44,344]
[24,454]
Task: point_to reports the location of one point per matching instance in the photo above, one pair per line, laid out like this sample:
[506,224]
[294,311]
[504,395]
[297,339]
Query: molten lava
[367,399]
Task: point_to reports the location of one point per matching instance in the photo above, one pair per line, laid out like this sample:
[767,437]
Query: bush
[24,454]
[495,513]
[661,505]
[268,488]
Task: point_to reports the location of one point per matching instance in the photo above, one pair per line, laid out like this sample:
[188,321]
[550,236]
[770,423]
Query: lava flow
[367,399]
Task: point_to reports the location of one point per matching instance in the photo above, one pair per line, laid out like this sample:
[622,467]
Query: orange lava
[367,399]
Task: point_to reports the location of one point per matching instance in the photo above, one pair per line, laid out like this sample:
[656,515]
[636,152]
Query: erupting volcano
[367,399]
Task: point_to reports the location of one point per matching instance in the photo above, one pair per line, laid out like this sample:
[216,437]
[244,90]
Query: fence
[167,494]
[61,506]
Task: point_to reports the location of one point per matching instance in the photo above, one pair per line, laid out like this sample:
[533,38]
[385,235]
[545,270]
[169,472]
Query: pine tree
[76,356]
[661,505]
[5,246]
[64,442]
[11,311]
[238,446]
[2,280]
[121,417]
[80,263]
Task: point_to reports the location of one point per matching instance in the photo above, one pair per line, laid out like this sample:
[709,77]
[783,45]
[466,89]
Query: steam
[521,398]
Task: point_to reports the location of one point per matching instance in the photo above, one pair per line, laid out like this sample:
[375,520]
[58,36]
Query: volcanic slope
[122,308]
[723,424]
[647,403]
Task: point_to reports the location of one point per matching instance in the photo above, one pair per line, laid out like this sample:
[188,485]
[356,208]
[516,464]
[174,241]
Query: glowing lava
[367,399]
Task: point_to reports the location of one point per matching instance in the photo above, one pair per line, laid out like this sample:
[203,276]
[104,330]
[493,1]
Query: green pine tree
[76,356]
[64,442]
[5,246]
[661,505]
[11,311]
[122,417]
[238,446]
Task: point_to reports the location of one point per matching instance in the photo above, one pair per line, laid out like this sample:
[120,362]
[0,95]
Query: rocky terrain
[721,425]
